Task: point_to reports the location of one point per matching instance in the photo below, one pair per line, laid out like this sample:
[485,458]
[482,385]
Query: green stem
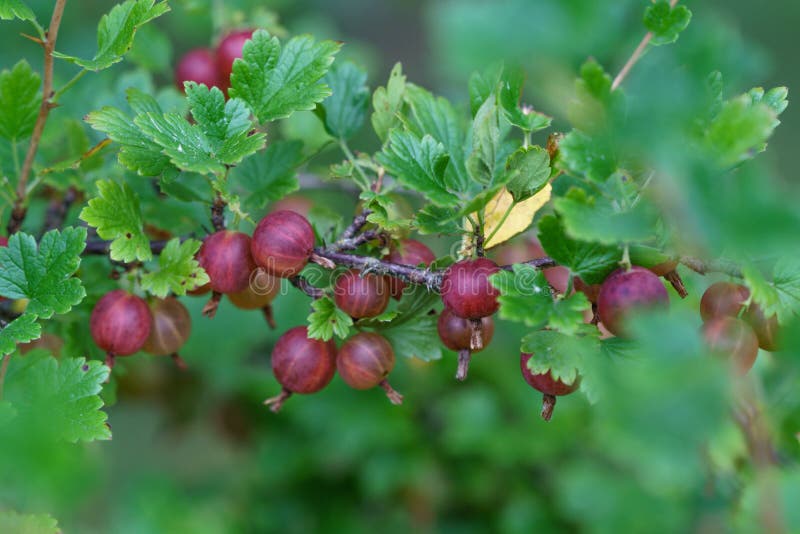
[15,157]
[526,141]
[66,87]
[500,223]
[351,157]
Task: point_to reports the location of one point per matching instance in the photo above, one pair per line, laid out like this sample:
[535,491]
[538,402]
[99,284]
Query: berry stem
[110,360]
[677,282]
[210,309]
[218,213]
[269,316]
[180,363]
[305,286]
[393,395]
[548,405]
[276,403]
[464,356]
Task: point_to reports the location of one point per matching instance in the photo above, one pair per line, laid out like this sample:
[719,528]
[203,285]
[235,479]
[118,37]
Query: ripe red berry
[365,360]
[225,256]
[283,242]
[766,329]
[228,49]
[361,296]
[120,324]
[545,383]
[723,299]
[458,334]
[258,295]
[732,338]
[198,65]
[171,328]
[301,364]
[466,289]
[626,291]
[408,252]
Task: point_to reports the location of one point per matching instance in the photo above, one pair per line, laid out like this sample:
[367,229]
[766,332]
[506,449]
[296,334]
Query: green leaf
[327,320]
[561,354]
[598,219]
[419,165]
[19,101]
[413,332]
[385,211]
[10,9]
[741,129]
[116,31]
[343,112]
[666,22]
[21,330]
[44,273]
[277,82]
[268,175]
[482,85]
[387,102]
[137,152]
[116,214]
[591,261]
[178,270]
[434,219]
[527,172]
[582,155]
[526,297]
[510,94]
[778,293]
[11,521]
[63,394]
[485,142]
[436,116]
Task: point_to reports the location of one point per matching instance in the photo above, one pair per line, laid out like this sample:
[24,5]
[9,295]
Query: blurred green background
[197,452]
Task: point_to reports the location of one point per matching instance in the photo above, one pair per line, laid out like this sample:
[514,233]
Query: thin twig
[49,44]
[712,266]
[637,54]
[305,286]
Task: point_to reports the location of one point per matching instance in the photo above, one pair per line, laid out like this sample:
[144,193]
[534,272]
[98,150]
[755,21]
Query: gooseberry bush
[189,191]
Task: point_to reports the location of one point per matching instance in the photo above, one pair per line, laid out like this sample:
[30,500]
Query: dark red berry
[464,336]
[365,360]
[723,299]
[227,51]
[408,252]
[626,291]
[120,324]
[361,296]
[734,339]
[225,256]
[766,329]
[546,384]
[260,292]
[283,242]
[466,289]
[171,328]
[198,65]
[301,364]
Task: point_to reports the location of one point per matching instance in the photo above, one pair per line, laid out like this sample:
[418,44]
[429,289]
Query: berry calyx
[466,289]
[301,365]
[546,384]
[365,360]
[408,252]
[458,334]
[626,291]
[120,324]
[171,328]
[198,65]
[283,243]
[723,299]
[732,338]
[225,256]
[259,294]
[361,296]
[228,49]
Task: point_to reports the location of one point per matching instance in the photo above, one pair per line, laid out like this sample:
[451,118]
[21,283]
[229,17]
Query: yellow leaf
[518,220]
